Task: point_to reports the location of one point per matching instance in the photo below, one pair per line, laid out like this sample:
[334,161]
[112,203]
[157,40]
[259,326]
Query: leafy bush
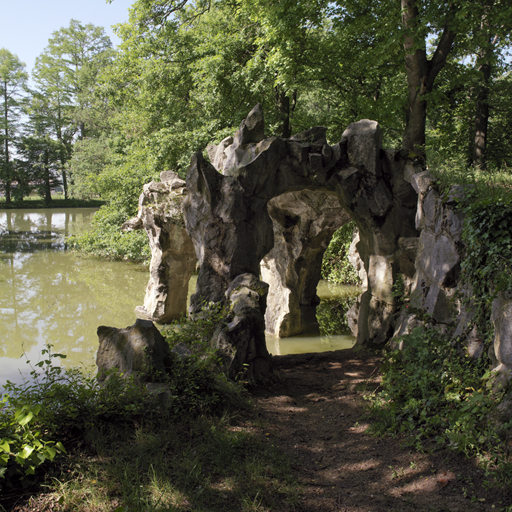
[56,406]
[23,448]
[120,185]
[335,266]
[197,384]
[431,389]
[487,264]
[71,401]
[106,238]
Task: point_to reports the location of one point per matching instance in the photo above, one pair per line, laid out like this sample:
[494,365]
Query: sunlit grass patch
[494,183]
[195,464]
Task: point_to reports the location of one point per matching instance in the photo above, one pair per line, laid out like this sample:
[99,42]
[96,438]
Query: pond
[49,295]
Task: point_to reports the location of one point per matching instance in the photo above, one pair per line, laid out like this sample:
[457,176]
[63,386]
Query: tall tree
[490,37]
[308,62]
[66,74]
[79,53]
[51,108]
[41,162]
[421,70]
[13,79]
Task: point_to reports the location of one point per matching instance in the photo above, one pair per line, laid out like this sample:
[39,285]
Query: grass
[57,201]
[175,464]
[493,183]
[204,449]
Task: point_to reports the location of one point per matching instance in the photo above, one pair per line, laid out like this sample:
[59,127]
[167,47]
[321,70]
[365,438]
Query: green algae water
[325,327]
[49,295]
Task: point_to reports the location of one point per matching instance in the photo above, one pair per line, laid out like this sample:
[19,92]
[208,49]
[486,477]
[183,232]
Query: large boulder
[139,350]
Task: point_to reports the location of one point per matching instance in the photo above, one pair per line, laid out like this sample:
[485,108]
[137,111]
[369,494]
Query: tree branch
[443,49]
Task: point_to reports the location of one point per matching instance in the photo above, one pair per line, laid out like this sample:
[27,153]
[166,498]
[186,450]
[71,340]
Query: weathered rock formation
[271,205]
[227,213]
[502,348]
[438,259]
[280,200]
[438,249]
[241,339]
[436,288]
[173,259]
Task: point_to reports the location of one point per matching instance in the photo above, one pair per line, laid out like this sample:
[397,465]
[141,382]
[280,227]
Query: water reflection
[49,295]
[305,344]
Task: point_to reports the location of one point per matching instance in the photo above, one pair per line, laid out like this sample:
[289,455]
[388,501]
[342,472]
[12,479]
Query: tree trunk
[47,184]
[285,110]
[7,169]
[64,178]
[63,161]
[482,119]
[421,74]
[482,99]
[416,71]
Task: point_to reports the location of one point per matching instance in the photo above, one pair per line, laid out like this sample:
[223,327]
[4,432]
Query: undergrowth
[432,390]
[490,183]
[117,447]
[487,263]
[106,238]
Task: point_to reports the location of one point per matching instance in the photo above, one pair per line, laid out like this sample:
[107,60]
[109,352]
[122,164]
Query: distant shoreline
[55,203]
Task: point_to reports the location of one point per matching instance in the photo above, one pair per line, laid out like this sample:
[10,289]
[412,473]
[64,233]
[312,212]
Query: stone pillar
[375,188]
[304,223]
[173,258]
[241,340]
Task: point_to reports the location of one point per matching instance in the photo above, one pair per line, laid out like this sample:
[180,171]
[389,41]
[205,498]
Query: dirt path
[318,416]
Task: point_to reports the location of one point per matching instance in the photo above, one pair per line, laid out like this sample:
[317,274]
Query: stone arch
[227,218]
[226,213]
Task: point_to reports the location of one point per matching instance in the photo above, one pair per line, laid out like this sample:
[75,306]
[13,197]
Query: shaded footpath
[316,413]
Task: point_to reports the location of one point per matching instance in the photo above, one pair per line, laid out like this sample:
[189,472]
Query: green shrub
[56,406]
[72,401]
[487,263]
[198,384]
[23,448]
[106,239]
[335,265]
[432,390]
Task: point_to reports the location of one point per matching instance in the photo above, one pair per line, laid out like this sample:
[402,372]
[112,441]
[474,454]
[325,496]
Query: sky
[26,25]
